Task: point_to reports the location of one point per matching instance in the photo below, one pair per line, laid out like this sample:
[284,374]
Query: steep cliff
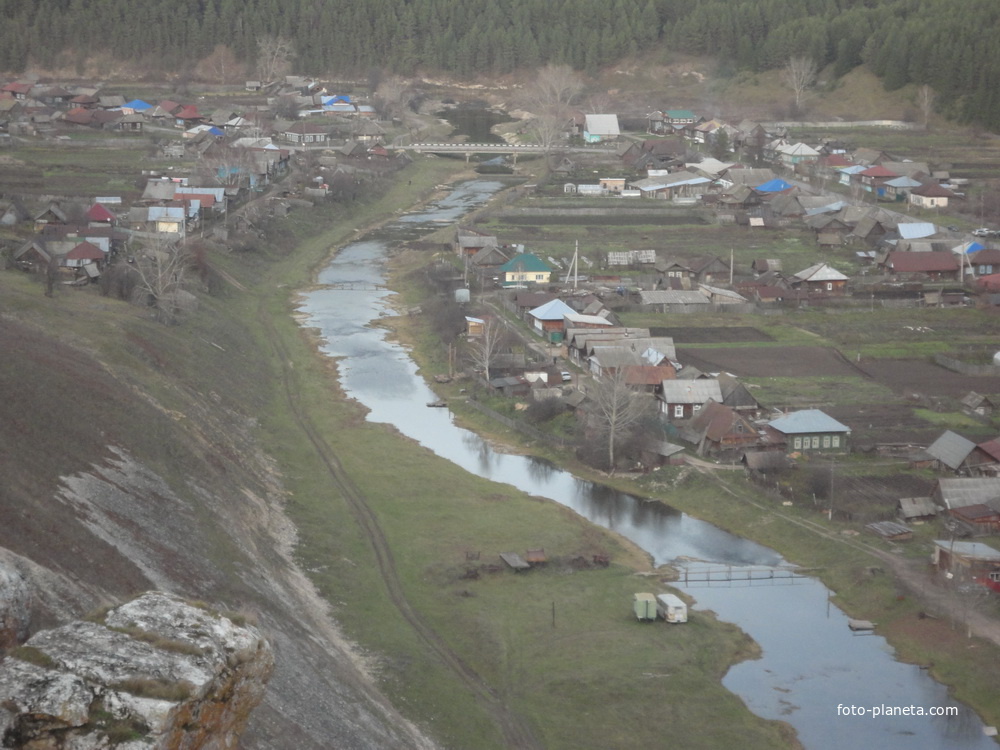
[133,460]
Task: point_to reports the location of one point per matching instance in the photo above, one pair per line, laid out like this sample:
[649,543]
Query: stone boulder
[157,672]
[15,607]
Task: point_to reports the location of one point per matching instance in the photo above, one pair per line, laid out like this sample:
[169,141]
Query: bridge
[501,148]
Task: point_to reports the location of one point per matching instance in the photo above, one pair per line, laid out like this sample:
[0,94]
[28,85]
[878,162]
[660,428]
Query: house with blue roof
[808,431]
[549,320]
[524,269]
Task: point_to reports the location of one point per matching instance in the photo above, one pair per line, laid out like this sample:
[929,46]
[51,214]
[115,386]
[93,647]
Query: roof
[961,491]
[673,297]
[717,420]
[915,230]
[915,507]
[921,262]
[951,449]
[820,272]
[691,391]
[552,310]
[807,421]
[776,185]
[525,262]
[977,550]
[602,124]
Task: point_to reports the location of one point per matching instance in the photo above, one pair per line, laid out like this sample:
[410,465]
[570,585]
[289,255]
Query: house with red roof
[931,195]
[936,264]
[100,215]
[83,254]
[17,90]
[874,178]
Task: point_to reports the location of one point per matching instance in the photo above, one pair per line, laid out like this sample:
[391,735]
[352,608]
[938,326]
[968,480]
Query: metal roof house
[524,269]
[549,320]
[682,399]
[951,450]
[599,128]
[808,430]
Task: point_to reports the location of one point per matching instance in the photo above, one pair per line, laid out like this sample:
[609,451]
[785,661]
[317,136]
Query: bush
[544,410]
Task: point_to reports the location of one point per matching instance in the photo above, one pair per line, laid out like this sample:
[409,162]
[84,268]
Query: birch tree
[484,349]
[617,410]
[162,268]
[799,74]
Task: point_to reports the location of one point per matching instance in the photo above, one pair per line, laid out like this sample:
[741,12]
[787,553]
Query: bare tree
[617,410]
[229,166]
[274,57]
[393,97]
[221,65]
[162,268]
[550,97]
[484,349]
[925,100]
[799,74]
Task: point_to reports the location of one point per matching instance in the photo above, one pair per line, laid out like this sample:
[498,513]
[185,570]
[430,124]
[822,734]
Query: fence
[520,426]
[964,368]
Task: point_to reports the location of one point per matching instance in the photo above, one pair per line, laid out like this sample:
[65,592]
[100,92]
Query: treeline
[950,47]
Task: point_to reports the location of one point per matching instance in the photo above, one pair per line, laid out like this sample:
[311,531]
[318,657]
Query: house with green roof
[524,269]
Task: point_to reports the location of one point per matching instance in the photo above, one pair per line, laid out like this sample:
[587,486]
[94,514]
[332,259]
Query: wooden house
[965,561]
[935,264]
[680,400]
[524,269]
[820,278]
[809,431]
[950,451]
[718,428]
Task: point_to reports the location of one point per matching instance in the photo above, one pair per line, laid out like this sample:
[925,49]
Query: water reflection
[811,661]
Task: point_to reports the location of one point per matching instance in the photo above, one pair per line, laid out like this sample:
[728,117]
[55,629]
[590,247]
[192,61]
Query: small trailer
[671,608]
[644,606]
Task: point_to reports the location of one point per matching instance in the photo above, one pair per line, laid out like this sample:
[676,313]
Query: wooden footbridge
[737,575]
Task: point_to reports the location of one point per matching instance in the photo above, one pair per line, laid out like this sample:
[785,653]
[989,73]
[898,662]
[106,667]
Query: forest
[922,42]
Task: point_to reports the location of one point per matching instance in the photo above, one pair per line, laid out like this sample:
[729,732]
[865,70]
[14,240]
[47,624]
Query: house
[966,561]
[931,195]
[600,128]
[718,428]
[306,133]
[936,264]
[809,430]
[820,278]
[524,269]
[983,261]
[549,320]
[680,400]
[676,300]
[976,405]
[959,492]
[737,396]
[796,153]
[873,179]
[474,326]
[917,508]
[950,451]
[978,519]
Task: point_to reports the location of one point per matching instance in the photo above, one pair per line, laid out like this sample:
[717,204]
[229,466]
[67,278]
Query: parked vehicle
[671,608]
[644,606]
[982,232]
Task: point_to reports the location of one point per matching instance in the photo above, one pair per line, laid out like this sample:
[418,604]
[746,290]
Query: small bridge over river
[511,149]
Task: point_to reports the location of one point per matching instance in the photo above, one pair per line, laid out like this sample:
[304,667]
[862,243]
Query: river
[812,663]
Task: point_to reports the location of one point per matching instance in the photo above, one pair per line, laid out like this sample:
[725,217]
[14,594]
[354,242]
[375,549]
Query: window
[815,441]
[678,410]
[835,441]
[826,441]
[696,407]
[829,286]
[797,444]
[539,277]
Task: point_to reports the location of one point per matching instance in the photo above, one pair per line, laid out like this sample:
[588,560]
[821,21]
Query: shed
[515,561]
[917,508]
[950,450]
[965,560]
[891,530]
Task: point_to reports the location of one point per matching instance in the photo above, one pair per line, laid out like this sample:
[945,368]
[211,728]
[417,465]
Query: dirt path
[516,732]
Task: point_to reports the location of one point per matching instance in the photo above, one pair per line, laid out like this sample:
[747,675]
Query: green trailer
[644,606]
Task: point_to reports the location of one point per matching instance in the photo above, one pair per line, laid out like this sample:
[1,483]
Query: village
[886,238]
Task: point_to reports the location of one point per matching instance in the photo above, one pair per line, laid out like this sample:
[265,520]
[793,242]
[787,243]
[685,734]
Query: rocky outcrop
[15,607]
[157,672]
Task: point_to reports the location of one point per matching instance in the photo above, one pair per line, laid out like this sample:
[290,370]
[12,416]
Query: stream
[812,662]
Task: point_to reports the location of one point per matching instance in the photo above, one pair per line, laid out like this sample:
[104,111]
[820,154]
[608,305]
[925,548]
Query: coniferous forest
[951,47]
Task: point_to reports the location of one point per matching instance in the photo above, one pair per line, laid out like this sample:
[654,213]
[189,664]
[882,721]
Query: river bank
[863,574]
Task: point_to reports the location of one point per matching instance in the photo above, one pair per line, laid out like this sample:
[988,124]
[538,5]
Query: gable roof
[915,230]
[900,261]
[552,310]
[602,124]
[951,449]
[820,272]
[807,421]
[691,391]
[963,491]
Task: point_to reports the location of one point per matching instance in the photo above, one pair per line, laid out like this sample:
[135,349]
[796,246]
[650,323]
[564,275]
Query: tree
[617,410]
[484,349]
[925,100]
[393,97]
[162,269]
[549,98]
[799,74]
[720,144]
[274,57]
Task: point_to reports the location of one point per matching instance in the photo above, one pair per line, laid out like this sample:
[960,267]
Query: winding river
[812,662]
